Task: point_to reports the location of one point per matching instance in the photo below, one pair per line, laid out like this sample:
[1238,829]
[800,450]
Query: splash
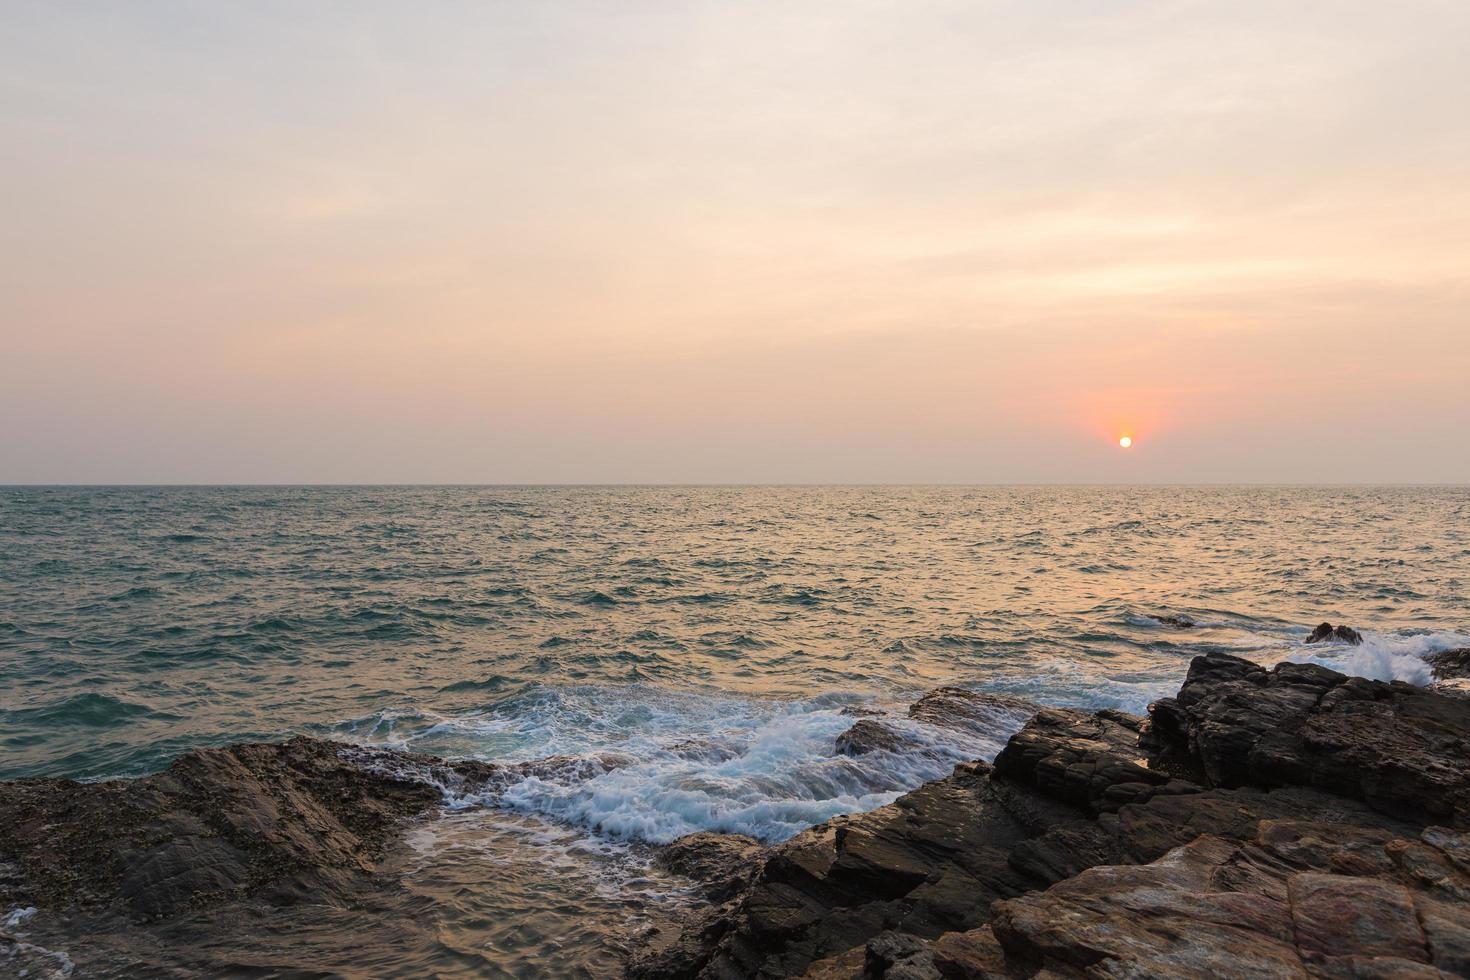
[688,762]
[1386,656]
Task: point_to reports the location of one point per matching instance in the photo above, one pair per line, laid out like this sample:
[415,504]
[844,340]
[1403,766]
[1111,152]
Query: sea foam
[693,762]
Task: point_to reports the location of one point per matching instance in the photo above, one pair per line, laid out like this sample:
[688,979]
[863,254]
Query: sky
[651,242]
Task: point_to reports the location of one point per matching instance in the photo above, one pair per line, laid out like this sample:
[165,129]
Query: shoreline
[1254,801]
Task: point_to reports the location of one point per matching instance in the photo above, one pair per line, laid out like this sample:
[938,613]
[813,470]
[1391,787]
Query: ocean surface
[712,636]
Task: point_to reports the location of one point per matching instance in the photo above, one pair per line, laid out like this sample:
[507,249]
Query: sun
[1126,441]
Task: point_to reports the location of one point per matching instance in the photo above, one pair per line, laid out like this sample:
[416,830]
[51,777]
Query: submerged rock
[1178,622]
[1326,632]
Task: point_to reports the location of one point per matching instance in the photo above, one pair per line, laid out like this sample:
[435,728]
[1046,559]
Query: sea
[512,623]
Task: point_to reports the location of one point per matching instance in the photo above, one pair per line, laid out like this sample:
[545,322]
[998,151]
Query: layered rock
[1403,750]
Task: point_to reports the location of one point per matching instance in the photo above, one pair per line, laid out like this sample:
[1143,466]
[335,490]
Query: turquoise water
[136,623]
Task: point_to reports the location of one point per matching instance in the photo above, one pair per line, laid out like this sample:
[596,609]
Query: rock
[1299,900]
[723,863]
[303,820]
[1283,822]
[1090,798]
[291,818]
[954,708]
[1091,761]
[1178,622]
[1402,749]
[1450,664]
[972,711]
[872,736]
[1326,632]
[927,864]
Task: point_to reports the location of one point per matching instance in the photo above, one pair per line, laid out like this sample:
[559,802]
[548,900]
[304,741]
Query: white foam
[694,762]
[17,917]
[51,964]
[1384,656]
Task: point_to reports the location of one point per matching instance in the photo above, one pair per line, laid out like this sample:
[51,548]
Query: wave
[88,710]
[687,761]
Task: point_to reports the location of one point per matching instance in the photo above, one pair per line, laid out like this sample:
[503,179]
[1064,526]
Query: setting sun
[1126,441]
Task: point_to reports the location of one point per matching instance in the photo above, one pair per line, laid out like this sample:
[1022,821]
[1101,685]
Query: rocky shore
[1286,822]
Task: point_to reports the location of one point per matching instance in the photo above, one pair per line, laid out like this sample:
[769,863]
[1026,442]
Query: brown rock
[1404,750]
[723,863]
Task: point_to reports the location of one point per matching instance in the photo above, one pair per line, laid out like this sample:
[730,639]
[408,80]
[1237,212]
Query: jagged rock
[1178,622]
[1088,760]
[1402,749]
[1326,632]
[723,863]
[1274,822]
[927,864]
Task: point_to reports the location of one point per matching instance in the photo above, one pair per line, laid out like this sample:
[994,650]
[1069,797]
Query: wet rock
[927,864]
[296,821]
[971,711]
[868,735]
[1450,664]
[1402,749]
[953,708]
[1326,633]
[723,863]
[1178,622]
